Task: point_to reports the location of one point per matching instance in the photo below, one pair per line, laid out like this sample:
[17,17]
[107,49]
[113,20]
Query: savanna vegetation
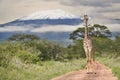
[27,57]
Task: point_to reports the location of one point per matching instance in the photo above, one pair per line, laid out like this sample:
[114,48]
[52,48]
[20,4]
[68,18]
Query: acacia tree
[95,31]
[23,37]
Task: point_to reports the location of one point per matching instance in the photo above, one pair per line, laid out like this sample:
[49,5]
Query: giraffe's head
[86,17]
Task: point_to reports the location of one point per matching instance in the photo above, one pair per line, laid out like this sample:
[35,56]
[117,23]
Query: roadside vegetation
[27,57]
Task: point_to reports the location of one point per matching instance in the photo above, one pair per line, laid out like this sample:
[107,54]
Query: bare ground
[102,73]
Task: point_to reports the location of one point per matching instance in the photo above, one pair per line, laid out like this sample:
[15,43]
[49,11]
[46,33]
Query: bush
[4,59]
[28,57]
[10,49]
[33,51]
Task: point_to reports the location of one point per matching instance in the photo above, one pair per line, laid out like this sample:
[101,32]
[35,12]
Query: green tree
[23,37]
[94,31]
[116,46]
[76,50]
[51,51]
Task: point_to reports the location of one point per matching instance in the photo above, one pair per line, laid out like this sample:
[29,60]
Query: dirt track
[102,73]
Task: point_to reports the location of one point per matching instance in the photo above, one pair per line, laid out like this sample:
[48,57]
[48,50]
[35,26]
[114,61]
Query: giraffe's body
[88,47]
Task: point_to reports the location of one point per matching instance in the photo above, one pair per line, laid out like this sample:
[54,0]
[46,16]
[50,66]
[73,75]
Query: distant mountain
[48,17]
[42,22]
[46,23]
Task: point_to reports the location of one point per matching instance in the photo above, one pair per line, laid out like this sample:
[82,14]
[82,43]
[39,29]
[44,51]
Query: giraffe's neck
[86,29]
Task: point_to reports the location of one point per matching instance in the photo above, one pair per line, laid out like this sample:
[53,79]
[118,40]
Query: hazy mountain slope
[53,25]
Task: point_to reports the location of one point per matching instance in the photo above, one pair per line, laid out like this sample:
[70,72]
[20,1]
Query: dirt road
[102,73]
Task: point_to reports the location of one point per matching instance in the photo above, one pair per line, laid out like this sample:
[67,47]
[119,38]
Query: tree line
[31,49]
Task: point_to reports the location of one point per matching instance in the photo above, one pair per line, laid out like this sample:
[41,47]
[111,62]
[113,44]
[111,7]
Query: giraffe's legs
[93,56]
[88,57]
[91,66]
[92,61]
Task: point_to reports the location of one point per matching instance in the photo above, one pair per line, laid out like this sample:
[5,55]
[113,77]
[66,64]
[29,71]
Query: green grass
[116,71]
[17,70]
[112,63]
[47,70]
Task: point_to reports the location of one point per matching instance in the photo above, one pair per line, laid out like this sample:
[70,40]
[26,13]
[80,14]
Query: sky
[105,12]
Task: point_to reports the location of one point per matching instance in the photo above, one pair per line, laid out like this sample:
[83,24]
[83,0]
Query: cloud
[97,3]
[101,11]
[43,29]
[14,29]
[14,9]
[55,28]
[114,27]
[86,3]
[58,28]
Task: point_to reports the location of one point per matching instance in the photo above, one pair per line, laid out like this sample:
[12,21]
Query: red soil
[102,73]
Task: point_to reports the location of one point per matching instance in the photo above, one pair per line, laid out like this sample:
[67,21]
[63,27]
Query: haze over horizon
[105,12]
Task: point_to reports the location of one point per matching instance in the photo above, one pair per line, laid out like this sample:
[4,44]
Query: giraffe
[88,48]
